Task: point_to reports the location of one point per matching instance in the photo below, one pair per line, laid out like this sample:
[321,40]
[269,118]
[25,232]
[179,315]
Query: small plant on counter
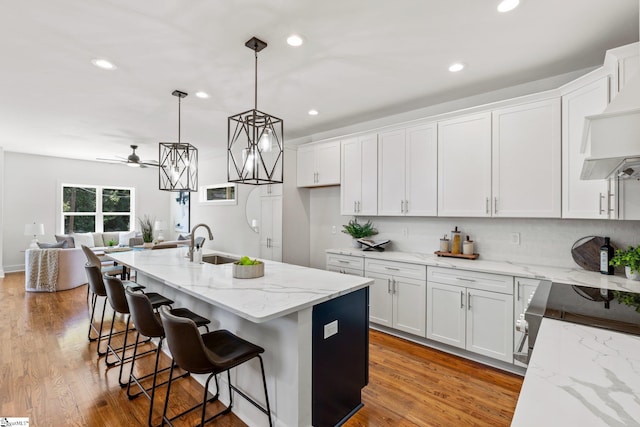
[245,260]
[357,230]
[111,243]
[146,227]
[629,257]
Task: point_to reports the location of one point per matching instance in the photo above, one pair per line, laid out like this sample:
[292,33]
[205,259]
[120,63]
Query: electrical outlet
[334,230]
[330,329]
[515,238]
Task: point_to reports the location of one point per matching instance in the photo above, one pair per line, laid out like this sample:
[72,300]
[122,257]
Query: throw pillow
[124,236]
[85,239]
[61,244]
[67,238]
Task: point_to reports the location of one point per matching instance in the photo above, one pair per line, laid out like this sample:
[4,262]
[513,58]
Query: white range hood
[615,137]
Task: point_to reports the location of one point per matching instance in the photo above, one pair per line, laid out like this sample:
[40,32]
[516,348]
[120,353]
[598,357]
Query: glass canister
[444,244]
[456,241]
[467,247]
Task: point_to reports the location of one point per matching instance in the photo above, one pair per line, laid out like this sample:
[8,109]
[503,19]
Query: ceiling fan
[133,160]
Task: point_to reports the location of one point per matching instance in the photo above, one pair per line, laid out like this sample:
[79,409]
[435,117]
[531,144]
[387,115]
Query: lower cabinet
[345,264]
[465,315]
[398,296]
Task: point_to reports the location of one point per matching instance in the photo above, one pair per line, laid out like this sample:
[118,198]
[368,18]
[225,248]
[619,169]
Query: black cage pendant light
[255,140]
[178,161]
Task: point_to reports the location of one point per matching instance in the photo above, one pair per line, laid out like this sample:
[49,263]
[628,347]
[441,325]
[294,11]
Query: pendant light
[255,140]
[178,169]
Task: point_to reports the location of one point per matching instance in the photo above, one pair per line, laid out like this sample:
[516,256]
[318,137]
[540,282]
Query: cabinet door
[351,185]
[421,163]
[526,160]
[369,181]
[490,324]
[446,314]
[581,199]
[391,173]
[328,163]
[525,288]
[464,166]
[380,300]
[409,305]
[271,228]
[306,168]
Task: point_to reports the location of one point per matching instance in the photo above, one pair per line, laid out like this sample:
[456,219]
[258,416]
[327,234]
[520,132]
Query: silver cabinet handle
[343,261]
[401,206]
[358,206]
[392,268]
[394,286]
[600,204]
[487,205]
[406,206]
[609,204]
[468,300]
[461,299]
[464,279]
[518,291]
[355,209]
[388,286]
[495,205]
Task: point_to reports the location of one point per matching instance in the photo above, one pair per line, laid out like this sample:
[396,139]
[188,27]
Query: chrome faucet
[193,232]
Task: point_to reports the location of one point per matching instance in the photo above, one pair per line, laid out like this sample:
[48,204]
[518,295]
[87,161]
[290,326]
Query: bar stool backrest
[146,321]
[185,343]
[94,277]
[115,294]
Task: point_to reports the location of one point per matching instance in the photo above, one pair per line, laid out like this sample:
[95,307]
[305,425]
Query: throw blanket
[43,265]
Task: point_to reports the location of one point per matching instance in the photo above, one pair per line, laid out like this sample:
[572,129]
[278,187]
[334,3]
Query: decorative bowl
[248,271]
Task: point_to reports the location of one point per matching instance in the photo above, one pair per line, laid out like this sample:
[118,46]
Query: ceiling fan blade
[110,160]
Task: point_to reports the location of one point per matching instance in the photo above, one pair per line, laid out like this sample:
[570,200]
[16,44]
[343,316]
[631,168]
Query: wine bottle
[606,253]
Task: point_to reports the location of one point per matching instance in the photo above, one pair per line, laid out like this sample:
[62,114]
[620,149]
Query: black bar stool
[97,289]
[148,324]
[211,353]
[118,301]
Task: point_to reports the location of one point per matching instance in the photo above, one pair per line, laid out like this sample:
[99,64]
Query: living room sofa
[40,269]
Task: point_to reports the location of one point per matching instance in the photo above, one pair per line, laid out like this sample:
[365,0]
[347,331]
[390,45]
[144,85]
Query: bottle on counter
[467,246]
[456,241]
[444,244]
[606,253]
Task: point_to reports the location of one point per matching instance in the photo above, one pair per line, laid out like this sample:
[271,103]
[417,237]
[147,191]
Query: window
[219,194]
[96,209]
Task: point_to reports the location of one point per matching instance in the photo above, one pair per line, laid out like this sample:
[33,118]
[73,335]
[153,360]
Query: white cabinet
[464,166]
[359,187]
[271,227]
[318,164]
[526,153]
[407,171]
[524,289]
[345,264]
[397,298]
[582,199]
[471,310]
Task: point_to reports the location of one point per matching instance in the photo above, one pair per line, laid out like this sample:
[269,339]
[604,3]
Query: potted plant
[358,231]
[146,226]
[630,259]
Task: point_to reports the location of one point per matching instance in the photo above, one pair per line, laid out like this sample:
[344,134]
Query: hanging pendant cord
[255,94]
[179,103]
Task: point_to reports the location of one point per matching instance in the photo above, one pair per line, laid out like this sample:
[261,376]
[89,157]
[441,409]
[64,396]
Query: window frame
[203,194]
[98,214]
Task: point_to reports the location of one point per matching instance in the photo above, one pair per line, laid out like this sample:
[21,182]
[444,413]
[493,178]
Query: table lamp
[34,230]
[160,226]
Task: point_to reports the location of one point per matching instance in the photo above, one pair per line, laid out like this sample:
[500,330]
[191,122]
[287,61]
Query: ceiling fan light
[133,165]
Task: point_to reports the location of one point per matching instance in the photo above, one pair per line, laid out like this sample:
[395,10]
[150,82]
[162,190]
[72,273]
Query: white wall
[31,193]
[542,241]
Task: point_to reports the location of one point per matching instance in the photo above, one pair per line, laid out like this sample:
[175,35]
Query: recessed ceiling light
[507,5]
[294,40]
[104,64]
[454,68]
[203,95]
[313,112]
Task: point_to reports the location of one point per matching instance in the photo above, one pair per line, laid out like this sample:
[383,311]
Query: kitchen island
[313,325]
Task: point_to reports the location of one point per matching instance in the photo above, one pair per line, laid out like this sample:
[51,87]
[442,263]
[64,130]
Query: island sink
[218,259]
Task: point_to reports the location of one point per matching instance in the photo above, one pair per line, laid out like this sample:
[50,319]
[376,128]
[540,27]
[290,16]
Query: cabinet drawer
[471,279]
[345,261]
[345,270]
[400,269]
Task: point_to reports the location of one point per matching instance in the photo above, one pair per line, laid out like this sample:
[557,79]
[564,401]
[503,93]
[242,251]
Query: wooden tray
[449,254]
[586,252]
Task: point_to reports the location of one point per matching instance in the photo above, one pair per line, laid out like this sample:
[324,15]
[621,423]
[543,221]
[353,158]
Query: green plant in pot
[146,227]
[359,231]
[629,259]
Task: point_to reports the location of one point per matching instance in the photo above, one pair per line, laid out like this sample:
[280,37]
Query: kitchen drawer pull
[392,268]
[464,279]
[461,299]
[343,261]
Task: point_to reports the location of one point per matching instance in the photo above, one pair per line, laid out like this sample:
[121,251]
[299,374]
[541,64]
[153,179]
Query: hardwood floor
[50,373]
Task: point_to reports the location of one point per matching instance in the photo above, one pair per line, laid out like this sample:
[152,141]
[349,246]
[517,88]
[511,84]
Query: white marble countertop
[283,289]
[570,275]
[581,376]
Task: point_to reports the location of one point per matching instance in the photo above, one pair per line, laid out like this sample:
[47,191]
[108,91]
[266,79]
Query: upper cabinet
[526,160]
[408,171]
[319,164]
[359,188]
[582,199]
[464,166]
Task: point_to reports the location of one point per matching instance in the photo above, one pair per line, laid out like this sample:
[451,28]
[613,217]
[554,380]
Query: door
[271,228]
[351,186]
[380,300]
[446,314]
[328,163]
[306,167]
[526,160]
[464,166]
[369,177]
[421,178]
[490,324]
[391,173]
[409,305]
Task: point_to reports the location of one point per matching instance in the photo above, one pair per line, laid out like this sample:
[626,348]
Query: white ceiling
[362,59]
